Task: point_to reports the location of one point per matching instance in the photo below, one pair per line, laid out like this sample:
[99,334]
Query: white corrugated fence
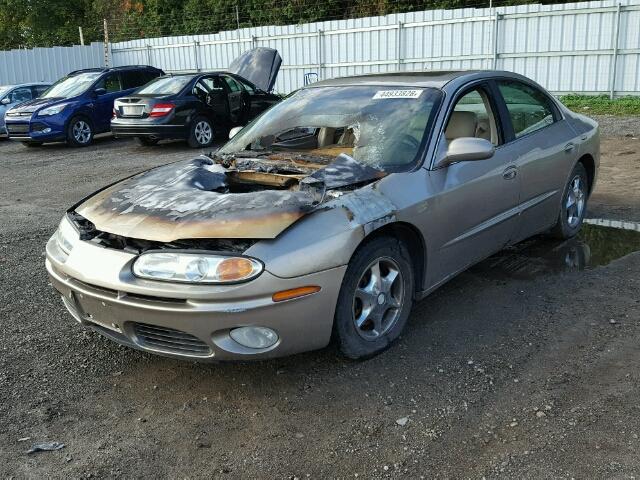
[587,47]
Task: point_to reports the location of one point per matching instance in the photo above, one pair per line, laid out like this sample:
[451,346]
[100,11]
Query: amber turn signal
[294,293]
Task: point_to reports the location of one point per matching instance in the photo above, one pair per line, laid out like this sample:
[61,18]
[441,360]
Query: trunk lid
[259,65]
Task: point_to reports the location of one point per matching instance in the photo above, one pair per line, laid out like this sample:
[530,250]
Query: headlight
[195,267]
[52,110]
[65,235]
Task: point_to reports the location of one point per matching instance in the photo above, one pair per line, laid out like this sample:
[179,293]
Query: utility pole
[106,43]
[81,36]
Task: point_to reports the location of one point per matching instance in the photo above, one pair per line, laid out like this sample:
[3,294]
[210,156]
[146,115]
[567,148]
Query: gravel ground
[499,374]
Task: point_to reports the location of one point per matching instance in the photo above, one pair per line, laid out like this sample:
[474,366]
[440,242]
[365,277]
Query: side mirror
[234,131]
[99,91]
[5,101]
[467,149]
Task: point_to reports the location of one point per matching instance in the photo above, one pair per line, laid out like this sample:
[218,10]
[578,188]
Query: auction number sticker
[380,94]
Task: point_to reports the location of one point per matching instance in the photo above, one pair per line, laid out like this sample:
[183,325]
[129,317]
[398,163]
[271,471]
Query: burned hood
[202,198]
[259,65]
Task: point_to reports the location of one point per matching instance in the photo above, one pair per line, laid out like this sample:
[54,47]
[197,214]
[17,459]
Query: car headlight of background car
[65,235]
[196,267]
[54,110]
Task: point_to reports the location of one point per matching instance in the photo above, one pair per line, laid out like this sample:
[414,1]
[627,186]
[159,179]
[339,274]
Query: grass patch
[602,105]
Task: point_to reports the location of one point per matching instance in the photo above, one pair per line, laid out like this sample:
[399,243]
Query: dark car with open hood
[326,217]
[198,107]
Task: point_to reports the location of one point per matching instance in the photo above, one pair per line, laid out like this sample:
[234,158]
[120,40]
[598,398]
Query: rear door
[235,100]
[545,154]
[216,99]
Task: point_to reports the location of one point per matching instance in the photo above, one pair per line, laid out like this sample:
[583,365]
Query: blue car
[76,107]
[12,95]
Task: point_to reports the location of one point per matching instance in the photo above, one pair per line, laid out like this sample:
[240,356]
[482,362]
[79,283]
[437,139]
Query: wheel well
[590,166]
[411,237]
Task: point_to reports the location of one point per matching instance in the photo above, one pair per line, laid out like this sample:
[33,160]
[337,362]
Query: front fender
[327,237]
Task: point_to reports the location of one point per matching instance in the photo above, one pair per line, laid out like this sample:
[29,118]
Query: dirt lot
[513,372]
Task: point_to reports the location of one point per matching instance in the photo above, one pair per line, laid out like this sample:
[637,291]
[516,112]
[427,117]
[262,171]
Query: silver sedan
[334,211]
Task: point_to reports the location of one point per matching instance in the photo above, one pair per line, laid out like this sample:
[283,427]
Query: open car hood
[259,65]
[205,199]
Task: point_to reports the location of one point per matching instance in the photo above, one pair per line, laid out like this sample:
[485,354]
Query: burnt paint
[193,199]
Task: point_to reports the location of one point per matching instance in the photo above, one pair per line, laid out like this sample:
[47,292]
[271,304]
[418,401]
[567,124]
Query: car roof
[113,69]
[432,78]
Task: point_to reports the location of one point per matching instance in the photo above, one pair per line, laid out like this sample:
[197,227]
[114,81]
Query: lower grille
[170,340]
[18,128]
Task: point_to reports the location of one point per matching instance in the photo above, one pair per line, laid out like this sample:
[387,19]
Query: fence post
[196,48]
[320,53]
[399,46]
[496,18]
[149,55]
[614,60]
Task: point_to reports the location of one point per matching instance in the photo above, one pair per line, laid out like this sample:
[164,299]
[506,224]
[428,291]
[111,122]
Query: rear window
[166,85]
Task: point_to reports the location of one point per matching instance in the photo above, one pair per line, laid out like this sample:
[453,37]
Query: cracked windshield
[377,126]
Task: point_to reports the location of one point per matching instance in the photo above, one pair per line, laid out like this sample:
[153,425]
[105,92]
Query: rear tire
[79,132]
[375,298]
[201,133]
[146,141]
[574,204]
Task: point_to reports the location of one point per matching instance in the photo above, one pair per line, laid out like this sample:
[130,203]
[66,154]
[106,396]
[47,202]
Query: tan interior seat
[461,124]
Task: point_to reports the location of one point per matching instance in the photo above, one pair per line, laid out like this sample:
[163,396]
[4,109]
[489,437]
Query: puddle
[598,243]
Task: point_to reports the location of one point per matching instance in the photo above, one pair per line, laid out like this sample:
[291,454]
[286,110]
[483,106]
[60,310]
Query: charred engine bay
[251,171]
[248,195]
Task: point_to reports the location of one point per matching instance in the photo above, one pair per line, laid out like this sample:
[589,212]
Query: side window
[213,83]
[200,90]
[111,83]
[472,116]
[38,90]
[149,75]
[529,108]
[133,79]
[20,95]
[247,86]
[233,85]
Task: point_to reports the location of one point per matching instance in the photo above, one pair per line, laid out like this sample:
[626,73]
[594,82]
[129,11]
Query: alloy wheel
[575,201]
[81,132]
[203,132]
[378,299]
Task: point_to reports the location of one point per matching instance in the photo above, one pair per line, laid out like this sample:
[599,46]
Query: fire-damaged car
[198,107]
[332,212]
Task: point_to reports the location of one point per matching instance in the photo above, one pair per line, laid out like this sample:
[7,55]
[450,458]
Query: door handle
[510,173]
[569,147]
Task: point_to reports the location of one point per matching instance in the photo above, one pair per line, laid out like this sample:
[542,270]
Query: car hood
[35,104]
[259,65]
[222,198]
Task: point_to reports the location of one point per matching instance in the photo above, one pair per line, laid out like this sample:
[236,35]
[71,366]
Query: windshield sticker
[381,94]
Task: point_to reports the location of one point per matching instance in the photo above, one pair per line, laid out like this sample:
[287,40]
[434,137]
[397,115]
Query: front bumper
[189,321]
[38,130]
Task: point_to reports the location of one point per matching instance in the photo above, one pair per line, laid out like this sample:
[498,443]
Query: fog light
[46,130]
[254,337]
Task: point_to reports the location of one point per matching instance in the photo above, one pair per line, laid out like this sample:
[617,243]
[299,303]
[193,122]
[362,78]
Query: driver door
[476,206]
[104,103]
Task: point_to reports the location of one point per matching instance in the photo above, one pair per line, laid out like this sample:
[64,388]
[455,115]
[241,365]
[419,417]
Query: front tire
[79,132]
[574,204]
[375,298]
[201,133]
